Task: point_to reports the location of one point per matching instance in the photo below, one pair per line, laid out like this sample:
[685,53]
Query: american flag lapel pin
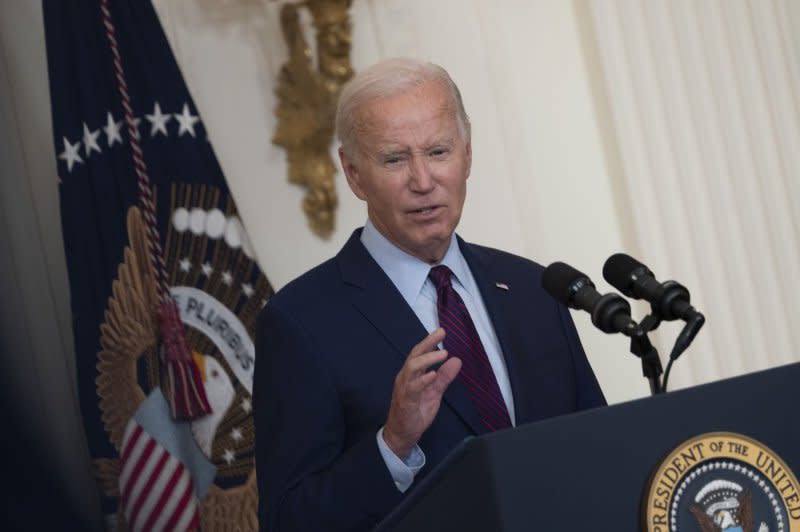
[501,286]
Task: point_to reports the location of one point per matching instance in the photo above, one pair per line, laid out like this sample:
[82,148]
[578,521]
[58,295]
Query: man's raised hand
[417,393]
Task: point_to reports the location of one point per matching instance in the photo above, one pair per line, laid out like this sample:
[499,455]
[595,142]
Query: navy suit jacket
[328,348]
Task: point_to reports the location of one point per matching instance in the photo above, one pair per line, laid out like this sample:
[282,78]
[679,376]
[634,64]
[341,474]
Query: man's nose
[421,179]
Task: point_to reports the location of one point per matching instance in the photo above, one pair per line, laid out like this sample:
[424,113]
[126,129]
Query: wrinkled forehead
[417,104]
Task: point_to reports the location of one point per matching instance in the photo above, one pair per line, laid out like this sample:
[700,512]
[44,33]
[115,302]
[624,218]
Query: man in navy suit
[355,397]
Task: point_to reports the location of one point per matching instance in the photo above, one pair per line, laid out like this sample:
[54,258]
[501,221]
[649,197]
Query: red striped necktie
[462,341]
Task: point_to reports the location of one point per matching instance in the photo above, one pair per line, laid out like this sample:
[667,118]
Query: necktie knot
[440,275]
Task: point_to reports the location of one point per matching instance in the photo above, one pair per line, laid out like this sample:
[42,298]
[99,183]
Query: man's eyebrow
[385,152]
[449,141]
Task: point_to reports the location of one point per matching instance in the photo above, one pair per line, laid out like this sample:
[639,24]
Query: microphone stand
[683,340]
[651,363]
[687,334]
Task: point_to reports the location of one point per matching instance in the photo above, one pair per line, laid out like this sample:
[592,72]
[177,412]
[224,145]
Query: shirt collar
[408,273]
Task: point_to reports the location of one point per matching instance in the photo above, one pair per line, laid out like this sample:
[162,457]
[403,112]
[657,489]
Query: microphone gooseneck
[669,300]
[610,312]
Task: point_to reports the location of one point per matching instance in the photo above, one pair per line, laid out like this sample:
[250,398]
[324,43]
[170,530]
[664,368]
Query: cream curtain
[704,100]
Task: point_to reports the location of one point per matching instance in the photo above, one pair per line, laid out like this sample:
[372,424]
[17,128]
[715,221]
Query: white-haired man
[372,366]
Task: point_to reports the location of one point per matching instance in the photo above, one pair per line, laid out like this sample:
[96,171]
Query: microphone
[669,300]
[610,312]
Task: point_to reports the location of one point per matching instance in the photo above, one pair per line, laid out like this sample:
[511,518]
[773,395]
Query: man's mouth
[424,210]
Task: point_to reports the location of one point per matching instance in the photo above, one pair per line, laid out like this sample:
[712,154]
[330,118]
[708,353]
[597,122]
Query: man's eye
[438,152]
[392,160]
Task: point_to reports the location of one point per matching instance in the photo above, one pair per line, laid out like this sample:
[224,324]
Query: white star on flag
[228,456]
[158,121]
[112,130]
[186,265]
[70,154]
[186,121]
[247,288]
[90,140]
[227,278]
[207,269]
[236,434]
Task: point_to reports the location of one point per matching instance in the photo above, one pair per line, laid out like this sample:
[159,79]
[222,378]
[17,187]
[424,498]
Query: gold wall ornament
[307,100]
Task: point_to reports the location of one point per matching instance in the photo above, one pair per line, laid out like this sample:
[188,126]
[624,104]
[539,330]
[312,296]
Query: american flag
[158,483]
[157,490]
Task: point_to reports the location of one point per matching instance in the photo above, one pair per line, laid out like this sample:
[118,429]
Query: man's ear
[469,157]
[352,175]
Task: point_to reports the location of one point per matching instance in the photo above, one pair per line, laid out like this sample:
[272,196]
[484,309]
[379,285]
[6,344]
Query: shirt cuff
[402,471]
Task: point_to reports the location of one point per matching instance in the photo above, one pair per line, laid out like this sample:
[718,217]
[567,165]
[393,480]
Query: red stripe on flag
[134,511]
[138,466]
[162,501]
[127,446]
[183,505]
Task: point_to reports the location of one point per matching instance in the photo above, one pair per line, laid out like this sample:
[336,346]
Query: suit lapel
[378,300]
[498,297]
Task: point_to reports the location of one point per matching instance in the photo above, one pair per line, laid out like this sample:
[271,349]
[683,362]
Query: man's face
[411,168]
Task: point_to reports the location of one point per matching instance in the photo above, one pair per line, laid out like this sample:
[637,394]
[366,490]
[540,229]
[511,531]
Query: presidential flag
[164,284]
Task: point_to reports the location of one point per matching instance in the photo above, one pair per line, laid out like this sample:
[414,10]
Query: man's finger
[428,343]
[438,379]
[422,382]
[446,374]
[425,362]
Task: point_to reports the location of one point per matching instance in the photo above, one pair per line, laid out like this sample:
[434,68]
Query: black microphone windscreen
[558,279]
[618,269]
